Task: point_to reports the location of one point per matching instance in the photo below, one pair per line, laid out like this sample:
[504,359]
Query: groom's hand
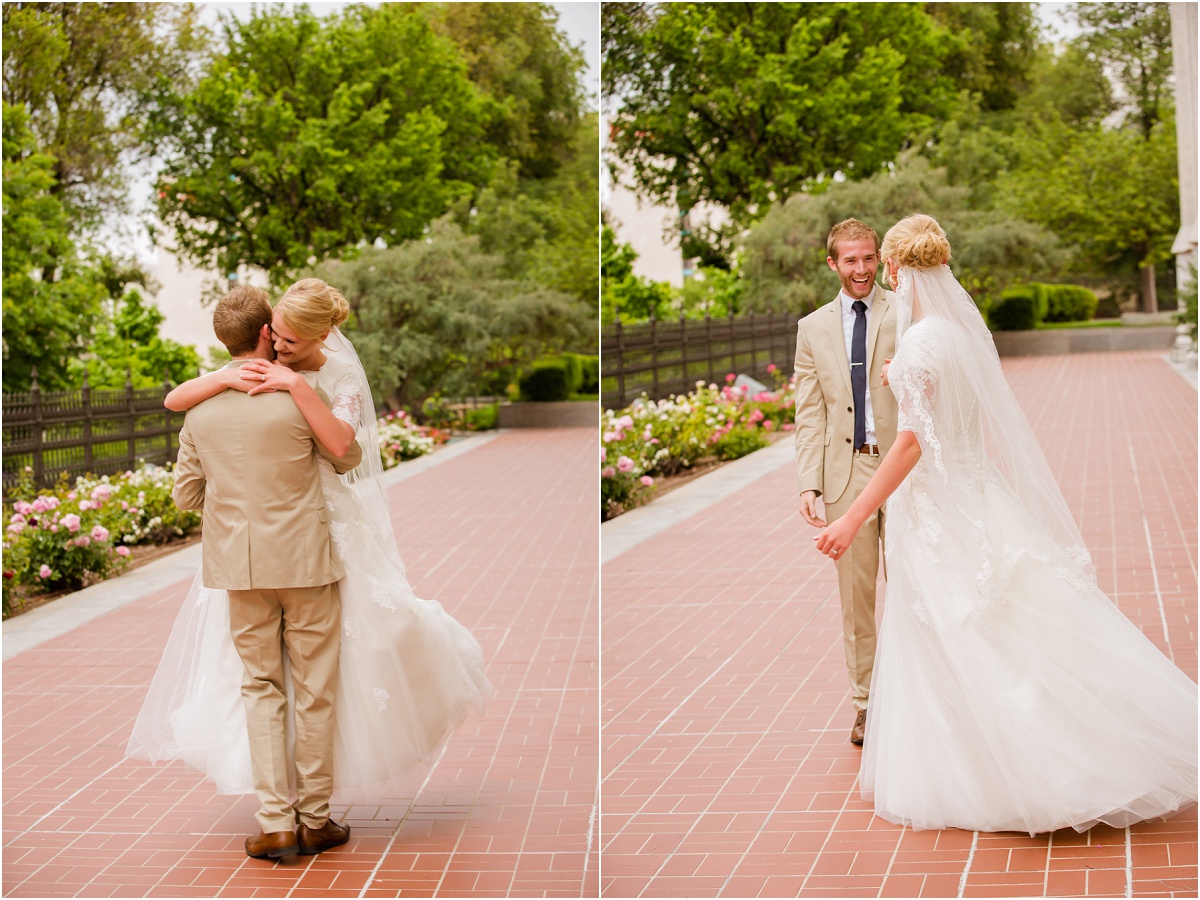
[808,509]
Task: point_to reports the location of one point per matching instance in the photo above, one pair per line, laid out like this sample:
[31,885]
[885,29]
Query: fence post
[86,396]
[709,339]
[621,401]
[35,394]
[753,371]
[683,337]
[732,343]
[654,356]
[131,412]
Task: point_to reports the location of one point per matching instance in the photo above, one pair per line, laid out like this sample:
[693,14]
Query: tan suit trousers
[858,568]
[306,622]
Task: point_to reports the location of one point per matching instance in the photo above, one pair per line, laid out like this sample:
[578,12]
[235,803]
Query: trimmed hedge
[1069,303]
[548,380]
[1017,312]
[1048,303]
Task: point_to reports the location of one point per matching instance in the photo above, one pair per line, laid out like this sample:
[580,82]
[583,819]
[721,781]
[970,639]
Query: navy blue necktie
[858,372]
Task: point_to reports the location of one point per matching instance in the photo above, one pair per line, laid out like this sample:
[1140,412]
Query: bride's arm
[331,432]
[194,390]
[893,469]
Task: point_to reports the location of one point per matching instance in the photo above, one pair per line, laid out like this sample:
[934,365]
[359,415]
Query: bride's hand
[836,538]
[884,371]
[270,376]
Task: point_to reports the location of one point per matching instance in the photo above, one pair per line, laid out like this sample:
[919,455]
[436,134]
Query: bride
[1009,693]
[408,672]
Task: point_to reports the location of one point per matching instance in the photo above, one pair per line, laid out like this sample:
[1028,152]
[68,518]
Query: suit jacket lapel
[838,336]
[878,308]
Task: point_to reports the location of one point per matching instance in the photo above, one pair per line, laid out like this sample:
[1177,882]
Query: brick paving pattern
[726,765]
[505,537]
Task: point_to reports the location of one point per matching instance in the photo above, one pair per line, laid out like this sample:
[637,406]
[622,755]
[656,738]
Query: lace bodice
[338,380]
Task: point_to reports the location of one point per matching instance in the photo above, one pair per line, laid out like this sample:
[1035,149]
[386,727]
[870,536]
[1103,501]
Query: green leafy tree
[516,53]
[623,294]
[1110,192]
[544,230]
[85,73]
[47,320]
[129,347]
[784,264]
[311,138]
[437,315]
[1133,41]
[993,48]
[745,104]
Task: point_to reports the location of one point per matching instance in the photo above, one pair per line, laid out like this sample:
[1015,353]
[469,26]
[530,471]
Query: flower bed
[65,537]
[653,439]
[401,438]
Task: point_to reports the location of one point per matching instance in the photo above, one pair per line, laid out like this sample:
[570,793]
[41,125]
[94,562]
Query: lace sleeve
[913,377]
[347,397]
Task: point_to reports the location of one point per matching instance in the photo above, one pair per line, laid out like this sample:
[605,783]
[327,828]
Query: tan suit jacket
[825,399]
[251,464]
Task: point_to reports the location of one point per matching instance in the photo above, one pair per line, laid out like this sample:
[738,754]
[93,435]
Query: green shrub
[574,366]
[1033,293]
[1016,312]
[738,443]
[547,381]
[591,379]
[483,418]
[1069,303]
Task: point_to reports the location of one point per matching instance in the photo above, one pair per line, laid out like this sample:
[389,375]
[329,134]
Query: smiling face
[856,265]
[295,352]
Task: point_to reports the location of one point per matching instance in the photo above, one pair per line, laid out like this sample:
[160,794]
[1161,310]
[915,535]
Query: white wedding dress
[408,671]
[1009,693]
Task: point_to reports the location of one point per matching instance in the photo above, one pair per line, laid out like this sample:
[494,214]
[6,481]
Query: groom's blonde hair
[849,230]
[239,318]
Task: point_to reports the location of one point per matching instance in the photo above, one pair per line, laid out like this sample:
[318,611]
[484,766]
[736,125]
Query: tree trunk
[1149,290]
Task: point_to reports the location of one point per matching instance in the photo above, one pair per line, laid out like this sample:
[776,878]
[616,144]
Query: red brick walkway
[505,536]
[725,760]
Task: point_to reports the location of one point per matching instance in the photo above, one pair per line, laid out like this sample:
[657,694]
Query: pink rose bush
[66,538]
[651,439]
[401,438]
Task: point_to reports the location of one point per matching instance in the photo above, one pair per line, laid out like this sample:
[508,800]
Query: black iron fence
[661,358]
[76,432]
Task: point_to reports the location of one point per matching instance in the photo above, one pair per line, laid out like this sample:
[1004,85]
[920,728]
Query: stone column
[1183,46]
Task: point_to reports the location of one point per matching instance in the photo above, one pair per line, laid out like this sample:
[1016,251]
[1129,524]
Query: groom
[251,463]
[845,423]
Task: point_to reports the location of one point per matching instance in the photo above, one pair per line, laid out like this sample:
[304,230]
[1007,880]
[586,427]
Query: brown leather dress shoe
[272,845]
[860,726]
[317,840]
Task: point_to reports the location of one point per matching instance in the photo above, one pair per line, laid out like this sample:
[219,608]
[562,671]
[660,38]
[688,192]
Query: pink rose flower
[99,533]
[23,508]
[54,528]
[44,571]
[730,378]
[70,495]
[603,454]
[16,527]
[125,504]
[772,368]
[122,550]
[17,519]
[608,472]
[788,426]
[71,521]
[646,480]
[624,464]
[82,541]
[102,492]
[625,422]
[608,437]
[85,505]
[768,425]
[41,505]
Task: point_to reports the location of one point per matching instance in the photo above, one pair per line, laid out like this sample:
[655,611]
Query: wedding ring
[262,377]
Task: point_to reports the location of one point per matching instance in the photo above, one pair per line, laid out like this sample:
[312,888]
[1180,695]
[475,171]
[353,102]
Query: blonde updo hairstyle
[310,307]
[916,242]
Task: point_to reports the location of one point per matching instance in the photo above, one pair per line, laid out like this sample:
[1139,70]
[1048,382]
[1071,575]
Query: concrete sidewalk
[725,760]
[505,537]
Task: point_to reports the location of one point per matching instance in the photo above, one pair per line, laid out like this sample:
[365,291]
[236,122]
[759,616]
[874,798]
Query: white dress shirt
[848,331]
